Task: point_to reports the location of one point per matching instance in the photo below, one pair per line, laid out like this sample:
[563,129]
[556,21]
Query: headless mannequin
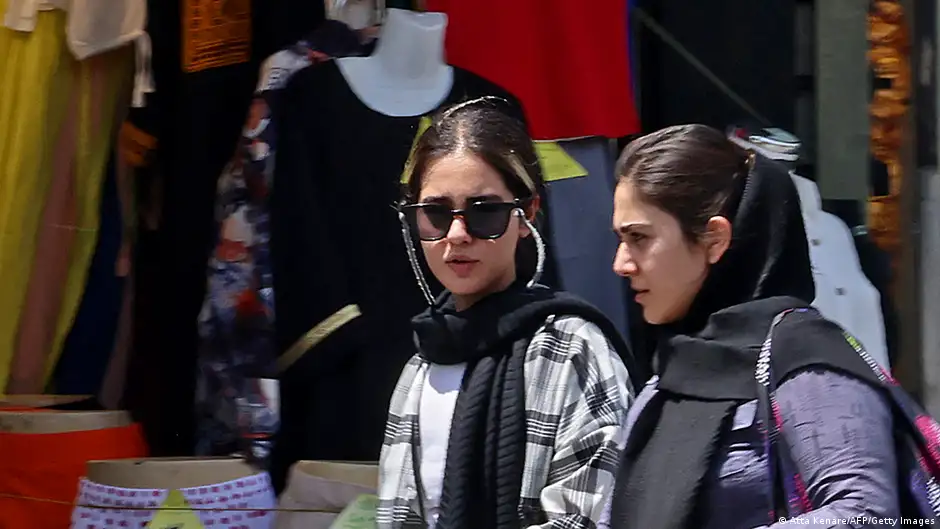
[407,75]
[843,293]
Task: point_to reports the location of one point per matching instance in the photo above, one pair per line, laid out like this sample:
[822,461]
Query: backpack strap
[787,496]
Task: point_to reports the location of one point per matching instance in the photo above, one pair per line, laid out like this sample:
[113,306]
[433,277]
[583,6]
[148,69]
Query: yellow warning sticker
[423,125]
[556,163]
[175,513]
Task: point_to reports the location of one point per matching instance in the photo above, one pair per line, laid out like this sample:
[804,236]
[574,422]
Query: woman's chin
[654,317]
[463,286]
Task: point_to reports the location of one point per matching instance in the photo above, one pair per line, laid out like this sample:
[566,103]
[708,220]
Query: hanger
[334,10]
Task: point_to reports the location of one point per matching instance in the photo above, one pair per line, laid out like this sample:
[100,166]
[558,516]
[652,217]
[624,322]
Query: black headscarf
[706,361]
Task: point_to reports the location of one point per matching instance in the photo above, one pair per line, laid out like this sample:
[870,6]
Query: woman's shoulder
[806,339]
[572,329]
[574,339]
[568,348]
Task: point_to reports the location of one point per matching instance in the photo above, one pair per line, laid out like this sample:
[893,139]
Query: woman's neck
[465,301]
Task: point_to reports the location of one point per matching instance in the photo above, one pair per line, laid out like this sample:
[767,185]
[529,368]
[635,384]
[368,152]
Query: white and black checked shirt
[577,396]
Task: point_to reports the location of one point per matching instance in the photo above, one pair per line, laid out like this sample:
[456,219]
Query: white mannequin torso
[843,292]
[406,75]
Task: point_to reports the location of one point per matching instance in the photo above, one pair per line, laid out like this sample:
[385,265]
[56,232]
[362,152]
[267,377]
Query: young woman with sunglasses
[511,413]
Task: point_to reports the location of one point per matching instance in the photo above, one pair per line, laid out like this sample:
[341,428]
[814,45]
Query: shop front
[207,282]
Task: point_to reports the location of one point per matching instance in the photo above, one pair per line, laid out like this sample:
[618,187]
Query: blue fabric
[87,350]
[580,212]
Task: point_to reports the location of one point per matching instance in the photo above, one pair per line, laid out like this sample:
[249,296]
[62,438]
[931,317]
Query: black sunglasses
[484,220]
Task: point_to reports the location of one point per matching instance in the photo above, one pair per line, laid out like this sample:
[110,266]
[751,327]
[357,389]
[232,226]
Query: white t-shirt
[438,398]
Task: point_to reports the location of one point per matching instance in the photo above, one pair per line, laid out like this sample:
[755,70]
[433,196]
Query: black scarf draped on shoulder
[486,451]
[706,362]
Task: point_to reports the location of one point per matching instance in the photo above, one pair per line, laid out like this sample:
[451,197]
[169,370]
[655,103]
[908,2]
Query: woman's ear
[531,210]
[717,238]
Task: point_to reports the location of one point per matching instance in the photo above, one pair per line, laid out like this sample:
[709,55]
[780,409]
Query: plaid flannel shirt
[577,396]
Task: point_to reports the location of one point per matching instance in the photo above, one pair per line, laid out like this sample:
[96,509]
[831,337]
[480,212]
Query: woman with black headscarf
[712,240]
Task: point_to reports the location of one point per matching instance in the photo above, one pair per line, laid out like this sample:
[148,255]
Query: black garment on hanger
[336,241]
[196,119]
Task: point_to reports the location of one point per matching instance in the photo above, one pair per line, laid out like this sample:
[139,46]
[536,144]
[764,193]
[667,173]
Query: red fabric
[566,60]
[49,466]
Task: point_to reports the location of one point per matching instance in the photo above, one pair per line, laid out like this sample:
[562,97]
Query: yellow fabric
[35,78]
[38,79]
[104,98]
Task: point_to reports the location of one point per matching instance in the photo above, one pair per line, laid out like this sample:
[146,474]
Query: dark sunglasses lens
[432,221]
[488,220]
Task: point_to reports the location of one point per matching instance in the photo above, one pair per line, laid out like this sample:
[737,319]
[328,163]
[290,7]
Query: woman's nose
[457,233]
[624,264]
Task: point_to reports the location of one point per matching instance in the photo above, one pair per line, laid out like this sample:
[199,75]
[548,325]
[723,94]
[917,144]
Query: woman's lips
[462,267]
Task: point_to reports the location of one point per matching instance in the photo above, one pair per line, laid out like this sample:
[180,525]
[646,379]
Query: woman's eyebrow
[628,227]
[485,198]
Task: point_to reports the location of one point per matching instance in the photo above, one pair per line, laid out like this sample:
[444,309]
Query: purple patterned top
[839,432]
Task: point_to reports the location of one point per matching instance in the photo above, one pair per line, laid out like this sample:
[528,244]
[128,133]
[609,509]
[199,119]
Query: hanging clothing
[566,61]
[59,116]
[344,288]
[843,293]
[66,240]
[34,69]
[92,27]
[206,58]
[236,323]
[90,343]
